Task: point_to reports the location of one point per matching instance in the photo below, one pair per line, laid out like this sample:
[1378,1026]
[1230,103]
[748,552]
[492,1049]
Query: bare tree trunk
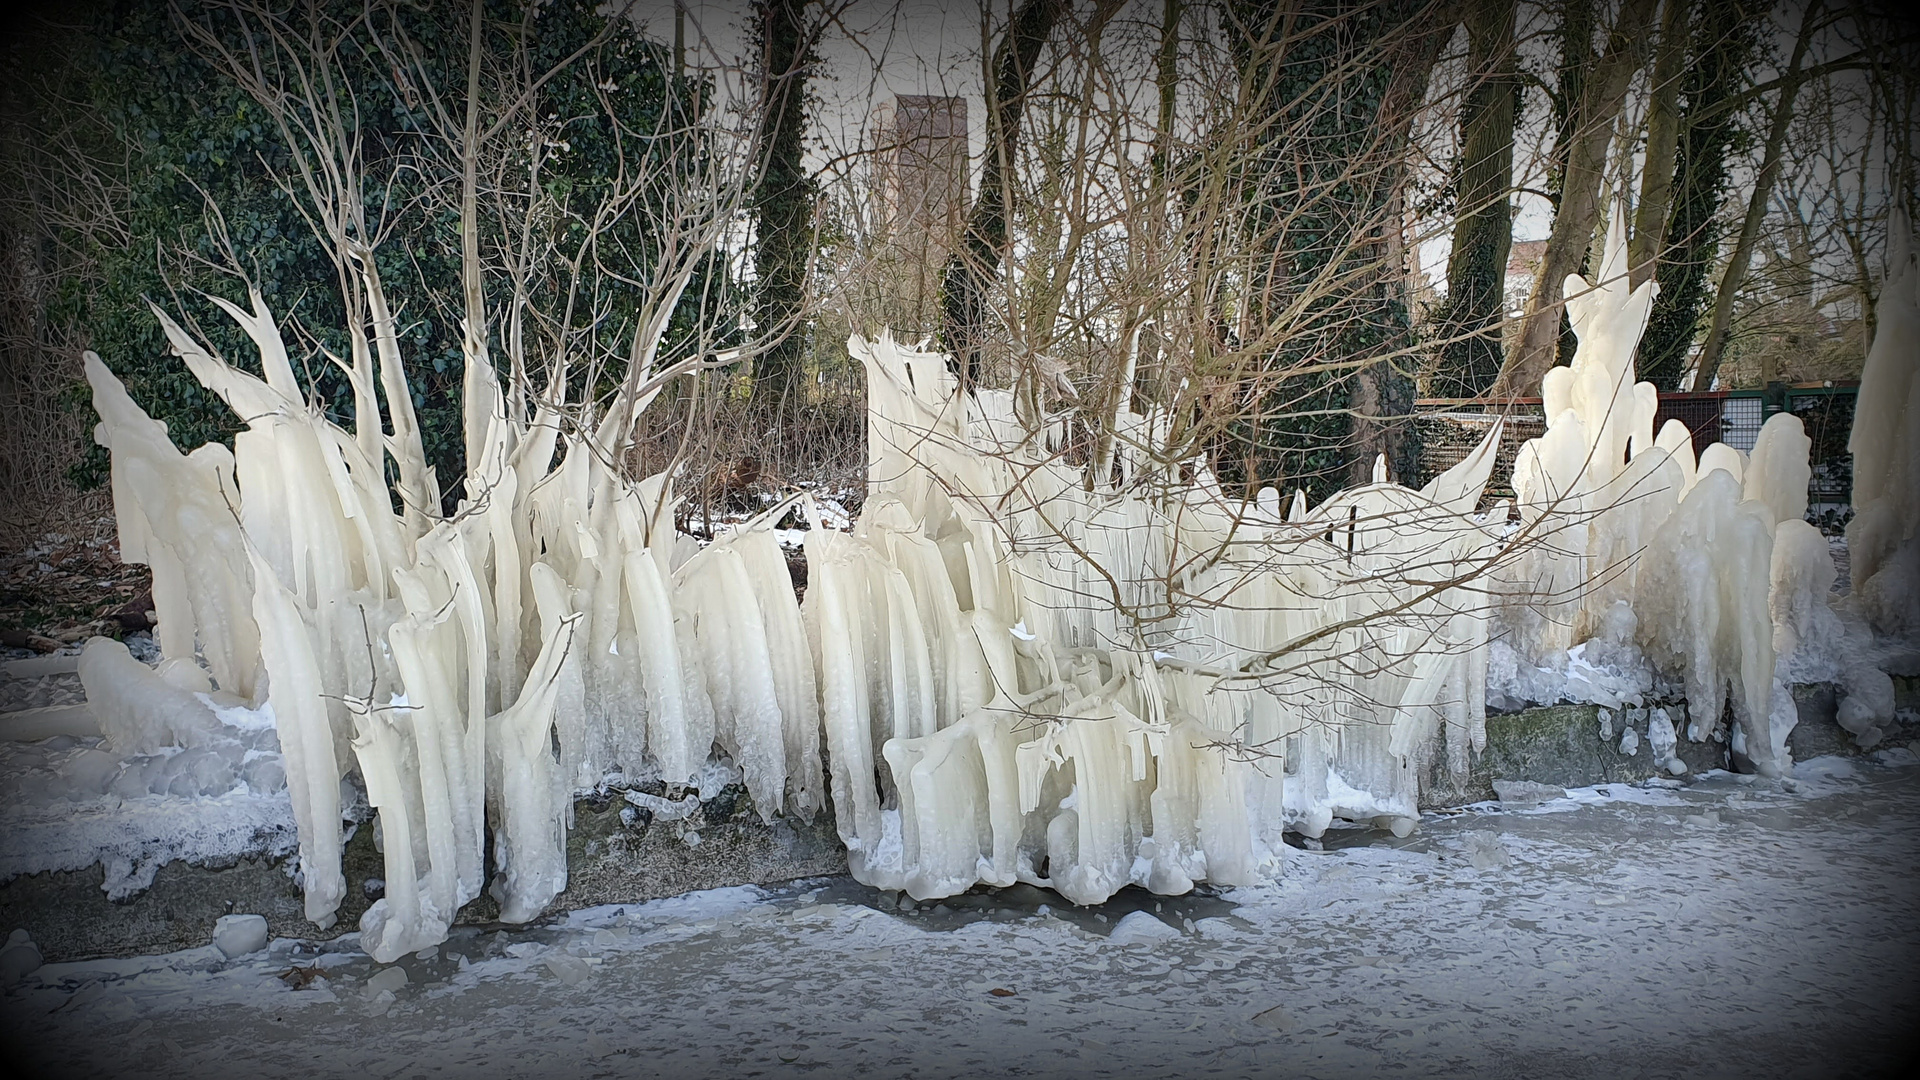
[1736,271]
[1663,139]
[1483,224]
[1579,209]
[1384,391]
[472,288]
[1718,67]
[782,202]
[679,39]
[971,269]
[1165,82]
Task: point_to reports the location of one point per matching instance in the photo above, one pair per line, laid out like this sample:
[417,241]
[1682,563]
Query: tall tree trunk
[1736,271]
[1384,390]
[1119,394]
[1723,41]
[1331,91]
[679,39]
[1470,320]
[1165,81]
[782,201]
[971,270]
[1570,82]
[1577,60]
[1573,222]
[1663,138]
[472,288]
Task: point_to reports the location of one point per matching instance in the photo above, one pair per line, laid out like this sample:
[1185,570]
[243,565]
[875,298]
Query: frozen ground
[1728,928]
[73,800]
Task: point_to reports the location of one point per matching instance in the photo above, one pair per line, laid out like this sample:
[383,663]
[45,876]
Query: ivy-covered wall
[1325,174]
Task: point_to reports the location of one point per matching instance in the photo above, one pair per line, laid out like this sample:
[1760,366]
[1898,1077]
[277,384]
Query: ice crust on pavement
[1082,677]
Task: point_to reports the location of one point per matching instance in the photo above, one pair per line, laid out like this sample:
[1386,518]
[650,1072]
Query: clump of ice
[140,710]
[238,935]
[199,777]
[1809,638]
[1703,604]
[1486,852]
[1663,740]
[570,970]
[1526,792]
[1866,710]
[387,981]
[1608,670]
[19,958]
[1896,756]
[664,809]
[1141,928]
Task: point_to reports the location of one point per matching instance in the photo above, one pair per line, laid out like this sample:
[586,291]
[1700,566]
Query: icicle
[1777,470]
[531,842]
[1883,539]
[175,513]
[792,667]
[1702,608]
[738,668]
[306,742]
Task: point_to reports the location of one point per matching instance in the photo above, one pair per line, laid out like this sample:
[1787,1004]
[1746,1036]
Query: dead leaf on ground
[300,977]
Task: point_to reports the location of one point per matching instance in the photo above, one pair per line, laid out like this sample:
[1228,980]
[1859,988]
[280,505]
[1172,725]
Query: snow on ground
[1733,927]
[71,801]
[133,837]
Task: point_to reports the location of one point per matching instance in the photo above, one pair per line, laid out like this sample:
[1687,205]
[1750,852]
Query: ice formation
[238,935]
[19,958]
[181,772]
[1660,566]
[1020,668]
[442,656]
[1030,672]
[1884,537]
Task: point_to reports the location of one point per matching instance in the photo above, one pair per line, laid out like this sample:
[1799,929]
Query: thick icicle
[530,841]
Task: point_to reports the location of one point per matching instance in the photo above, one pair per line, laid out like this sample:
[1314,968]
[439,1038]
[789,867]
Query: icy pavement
[1728,928]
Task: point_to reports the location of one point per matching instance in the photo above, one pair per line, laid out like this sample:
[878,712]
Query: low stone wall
[616,853]
[611,858]
[1565,746]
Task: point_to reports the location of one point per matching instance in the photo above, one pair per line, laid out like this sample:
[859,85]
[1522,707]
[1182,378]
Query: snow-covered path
[1723,929]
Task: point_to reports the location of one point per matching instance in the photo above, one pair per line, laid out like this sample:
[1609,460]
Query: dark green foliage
[1724,40]
[783,197]
[1328,174]
[194,155]
[1468,321]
